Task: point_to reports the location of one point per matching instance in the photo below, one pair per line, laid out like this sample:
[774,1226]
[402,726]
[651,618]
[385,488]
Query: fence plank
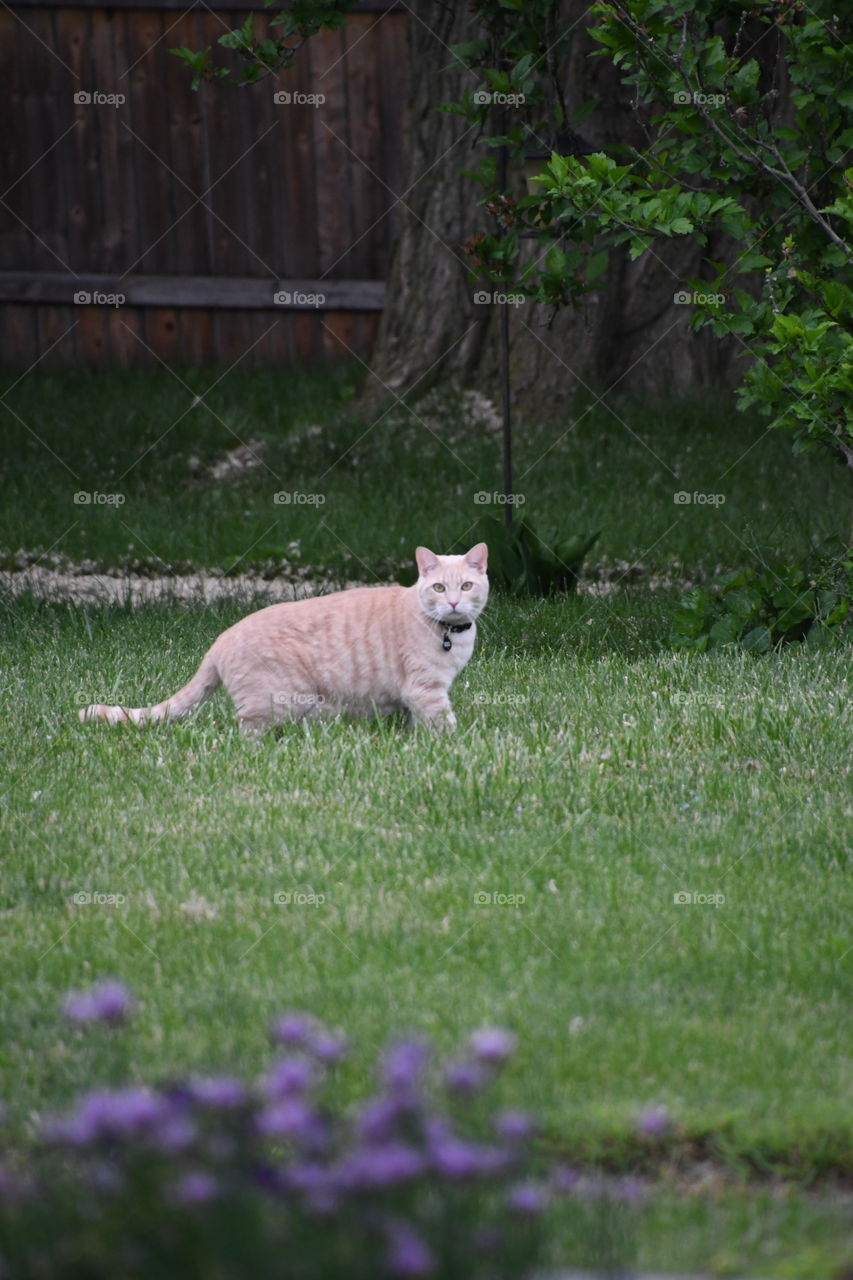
[217,292]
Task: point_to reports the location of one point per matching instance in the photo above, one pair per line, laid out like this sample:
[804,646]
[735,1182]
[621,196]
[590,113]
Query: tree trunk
[628,336]
[430,328]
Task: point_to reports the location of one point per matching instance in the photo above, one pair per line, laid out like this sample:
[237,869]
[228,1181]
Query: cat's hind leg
[257,714]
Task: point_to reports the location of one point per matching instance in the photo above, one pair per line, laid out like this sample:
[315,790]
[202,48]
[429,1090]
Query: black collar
[447,627]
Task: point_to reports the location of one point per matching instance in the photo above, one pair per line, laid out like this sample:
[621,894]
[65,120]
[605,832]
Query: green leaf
[758,640]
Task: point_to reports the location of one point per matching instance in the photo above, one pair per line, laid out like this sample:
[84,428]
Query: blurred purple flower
[465,1077]
[120,1113]
[291,1118]
[408,1254]
[631,1191]
[493,1044]
[220,1093]
[328,1047]
[291,1028]
[527,1198]
[403,1064]
[379,1119]
[565,1179]
[372,1168]
[108,1001]
[514,1125]
[174,1133]
[454,1158]
[195,1187]
[653,1121]
[290,1077]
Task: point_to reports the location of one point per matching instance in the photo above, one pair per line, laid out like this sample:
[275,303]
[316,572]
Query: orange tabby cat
[370,650]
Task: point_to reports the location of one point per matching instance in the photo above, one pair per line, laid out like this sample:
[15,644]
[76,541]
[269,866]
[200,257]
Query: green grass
[385,484]
[594,774]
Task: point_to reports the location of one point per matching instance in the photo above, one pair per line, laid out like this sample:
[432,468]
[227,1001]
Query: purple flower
[565,1179]
[195,1187]
[290,1077]
[174,1133]
[403,1064]
[291,1028]
[371,1168]
[465,1077]
[515,1126]
[290,1118]
[630,1191]
[493,1044]
[457,1159]
[328,1047]
[653,1121]
[408,1254]
[102,1114]
[527,1198]
[108,1001]
[220,1093]
[379,1119]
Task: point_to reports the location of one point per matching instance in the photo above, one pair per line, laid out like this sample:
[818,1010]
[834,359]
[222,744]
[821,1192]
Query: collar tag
[447,643]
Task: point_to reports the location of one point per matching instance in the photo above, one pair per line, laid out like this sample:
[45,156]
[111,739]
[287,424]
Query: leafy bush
[221,1177]
[760,608]
[521,562]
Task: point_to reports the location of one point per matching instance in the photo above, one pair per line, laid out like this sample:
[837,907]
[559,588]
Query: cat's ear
[477,557]
[426,560]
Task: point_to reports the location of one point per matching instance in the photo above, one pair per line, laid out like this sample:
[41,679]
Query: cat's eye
[438,586]
[466,586]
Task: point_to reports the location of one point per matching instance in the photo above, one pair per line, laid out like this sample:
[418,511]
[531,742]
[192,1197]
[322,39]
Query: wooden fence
[140,220]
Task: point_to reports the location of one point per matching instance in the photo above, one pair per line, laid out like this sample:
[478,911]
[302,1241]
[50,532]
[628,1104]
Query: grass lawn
[595,776]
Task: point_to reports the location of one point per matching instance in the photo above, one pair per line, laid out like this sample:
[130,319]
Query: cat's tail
[205,682]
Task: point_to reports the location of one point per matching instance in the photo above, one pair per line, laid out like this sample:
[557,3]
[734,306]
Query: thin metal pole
[507,433]
[504,353]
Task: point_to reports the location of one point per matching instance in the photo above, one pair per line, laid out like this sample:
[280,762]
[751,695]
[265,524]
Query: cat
[365,651]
